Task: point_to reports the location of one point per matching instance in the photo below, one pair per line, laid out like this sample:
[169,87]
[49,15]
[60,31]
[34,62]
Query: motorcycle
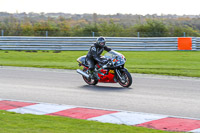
[111,72]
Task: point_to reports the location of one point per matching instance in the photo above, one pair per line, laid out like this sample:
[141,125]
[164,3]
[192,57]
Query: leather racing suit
[93,55]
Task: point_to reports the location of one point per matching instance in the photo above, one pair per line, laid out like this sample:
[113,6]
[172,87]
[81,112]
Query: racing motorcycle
[111,72]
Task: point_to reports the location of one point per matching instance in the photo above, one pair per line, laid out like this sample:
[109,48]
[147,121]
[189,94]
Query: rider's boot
[92,75]
[90,72]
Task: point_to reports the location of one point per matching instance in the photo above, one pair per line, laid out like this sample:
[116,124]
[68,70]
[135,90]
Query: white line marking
[127,118]
[41,109]
[196,131]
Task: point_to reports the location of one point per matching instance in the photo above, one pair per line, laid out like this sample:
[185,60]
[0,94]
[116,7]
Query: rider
[94,53]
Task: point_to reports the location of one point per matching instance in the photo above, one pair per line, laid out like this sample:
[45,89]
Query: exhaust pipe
[82,73]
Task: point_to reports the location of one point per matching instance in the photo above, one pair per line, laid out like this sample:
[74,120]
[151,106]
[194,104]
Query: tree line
[104,26]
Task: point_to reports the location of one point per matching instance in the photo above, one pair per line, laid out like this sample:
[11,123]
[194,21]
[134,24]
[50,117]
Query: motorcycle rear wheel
[89,80]
[127,79]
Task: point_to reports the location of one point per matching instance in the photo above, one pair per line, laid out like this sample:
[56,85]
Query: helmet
[101,41]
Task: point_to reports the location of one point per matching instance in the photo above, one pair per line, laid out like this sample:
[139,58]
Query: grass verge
[27,123]
[176,63]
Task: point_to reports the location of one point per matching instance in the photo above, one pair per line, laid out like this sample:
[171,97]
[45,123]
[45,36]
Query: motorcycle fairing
[109,78]
[82,61]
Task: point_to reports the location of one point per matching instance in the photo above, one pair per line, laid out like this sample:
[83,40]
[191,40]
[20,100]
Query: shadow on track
[104,88]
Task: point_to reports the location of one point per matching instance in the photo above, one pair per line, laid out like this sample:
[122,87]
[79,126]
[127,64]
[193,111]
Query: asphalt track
[167,95]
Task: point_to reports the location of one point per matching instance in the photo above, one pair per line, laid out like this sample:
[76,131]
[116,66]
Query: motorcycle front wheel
[126,80]
[89,80]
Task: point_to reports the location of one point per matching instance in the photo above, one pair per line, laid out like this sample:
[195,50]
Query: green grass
[177,63]
[27,123]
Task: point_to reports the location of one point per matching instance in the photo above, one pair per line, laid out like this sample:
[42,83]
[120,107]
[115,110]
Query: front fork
[119,75]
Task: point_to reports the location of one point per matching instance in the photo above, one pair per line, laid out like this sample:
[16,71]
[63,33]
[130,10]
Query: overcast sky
[179,7]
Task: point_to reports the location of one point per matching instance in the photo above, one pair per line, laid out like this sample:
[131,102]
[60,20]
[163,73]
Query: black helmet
[101,41]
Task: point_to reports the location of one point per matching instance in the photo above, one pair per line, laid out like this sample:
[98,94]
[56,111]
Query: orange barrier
[184,43]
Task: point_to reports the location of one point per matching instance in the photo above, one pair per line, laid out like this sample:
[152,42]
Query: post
[138,34]
[183,34]
[46,33]
[93,34]
[2,33]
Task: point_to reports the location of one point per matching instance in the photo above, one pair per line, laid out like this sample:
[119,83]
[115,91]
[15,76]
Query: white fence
[83,43]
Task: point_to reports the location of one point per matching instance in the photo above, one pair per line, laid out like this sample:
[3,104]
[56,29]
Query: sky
[143,7]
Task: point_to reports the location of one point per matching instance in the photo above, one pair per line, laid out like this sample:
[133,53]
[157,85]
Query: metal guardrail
[83,43]
[197,43]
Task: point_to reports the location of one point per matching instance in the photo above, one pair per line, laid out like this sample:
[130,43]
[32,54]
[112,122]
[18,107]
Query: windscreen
[116,57]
